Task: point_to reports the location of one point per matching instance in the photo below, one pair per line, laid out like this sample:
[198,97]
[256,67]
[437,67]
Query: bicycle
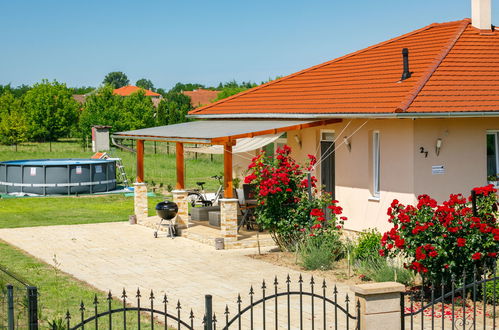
[198,197]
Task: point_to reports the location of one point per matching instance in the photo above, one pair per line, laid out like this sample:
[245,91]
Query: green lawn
[59,292]
[67,210]
[159,162]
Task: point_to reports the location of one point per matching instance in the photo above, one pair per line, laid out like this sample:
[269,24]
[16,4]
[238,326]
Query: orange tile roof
[201,96]
[128,90]
[454,68]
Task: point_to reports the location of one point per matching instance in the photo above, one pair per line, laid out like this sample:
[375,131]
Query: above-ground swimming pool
[57,176]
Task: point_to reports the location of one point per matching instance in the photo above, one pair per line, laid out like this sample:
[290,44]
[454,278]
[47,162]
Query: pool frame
[57,176]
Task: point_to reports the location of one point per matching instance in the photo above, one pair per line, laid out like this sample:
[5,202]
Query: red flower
[381,252]
[492,254]
[461,241]
[476,256]
[433,254]
[316,213]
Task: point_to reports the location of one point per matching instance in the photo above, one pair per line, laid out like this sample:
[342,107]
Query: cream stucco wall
[463,155]
[353,169]
[405,172]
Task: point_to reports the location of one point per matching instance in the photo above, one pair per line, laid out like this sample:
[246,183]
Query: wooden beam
[228,171]
[140,161]
[179,152]
[223,140]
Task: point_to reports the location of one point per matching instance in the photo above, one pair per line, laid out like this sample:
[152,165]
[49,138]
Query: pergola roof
[217,131]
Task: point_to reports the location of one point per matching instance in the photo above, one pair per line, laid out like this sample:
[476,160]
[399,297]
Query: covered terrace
[225,133]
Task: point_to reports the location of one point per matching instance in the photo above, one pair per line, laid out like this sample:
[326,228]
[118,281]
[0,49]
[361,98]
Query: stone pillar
[180,198]
[228,219]
[379,305]
[140,201]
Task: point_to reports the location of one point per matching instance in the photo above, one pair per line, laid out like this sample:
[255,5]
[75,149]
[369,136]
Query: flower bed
[441,240]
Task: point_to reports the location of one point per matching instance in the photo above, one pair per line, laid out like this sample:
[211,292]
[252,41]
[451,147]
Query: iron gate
[452,306]
[289,308]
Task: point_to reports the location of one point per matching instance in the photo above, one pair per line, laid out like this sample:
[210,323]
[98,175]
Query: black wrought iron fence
[467,302]
[308,306]
[18,302]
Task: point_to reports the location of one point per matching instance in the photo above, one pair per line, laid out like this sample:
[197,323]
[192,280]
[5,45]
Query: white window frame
[376,163]
[496,134]
[328,131]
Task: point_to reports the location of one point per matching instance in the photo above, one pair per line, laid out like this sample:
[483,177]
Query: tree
[13,126]
[145,84]
[18,91]
[233,87]
[180,87]
[138,111]
[116,79]
[101,108]
[173,109]
[50,111]
[82,90]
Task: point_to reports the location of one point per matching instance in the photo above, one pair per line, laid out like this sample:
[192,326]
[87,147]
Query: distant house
[129,90]
[201,96]
[80,98]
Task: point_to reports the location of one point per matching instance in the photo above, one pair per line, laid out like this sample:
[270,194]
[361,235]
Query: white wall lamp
[297,139]
[438,145]
[347,143]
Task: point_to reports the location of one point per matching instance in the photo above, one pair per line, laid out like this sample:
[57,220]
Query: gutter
[160,139]
[413,115]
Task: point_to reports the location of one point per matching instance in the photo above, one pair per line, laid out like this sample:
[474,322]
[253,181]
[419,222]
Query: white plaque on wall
[437,169]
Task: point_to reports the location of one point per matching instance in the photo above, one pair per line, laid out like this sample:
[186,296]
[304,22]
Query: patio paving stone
[113,256]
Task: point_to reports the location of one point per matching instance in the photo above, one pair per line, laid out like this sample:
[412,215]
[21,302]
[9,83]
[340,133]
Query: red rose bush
[284,207]
[438,240]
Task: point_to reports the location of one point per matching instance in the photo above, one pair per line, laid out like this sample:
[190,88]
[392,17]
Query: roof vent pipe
[481,14]
[405,55]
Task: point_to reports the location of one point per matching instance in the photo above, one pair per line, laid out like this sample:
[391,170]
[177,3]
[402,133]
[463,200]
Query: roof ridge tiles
[411,96]
[200,109]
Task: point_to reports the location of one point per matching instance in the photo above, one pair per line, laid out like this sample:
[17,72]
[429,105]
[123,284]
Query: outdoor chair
[247,204]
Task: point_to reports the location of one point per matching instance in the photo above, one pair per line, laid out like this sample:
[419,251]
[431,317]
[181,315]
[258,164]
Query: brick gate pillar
[140,201]
[379,305]
[180,198]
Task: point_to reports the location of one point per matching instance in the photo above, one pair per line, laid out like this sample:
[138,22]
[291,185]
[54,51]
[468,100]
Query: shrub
[284,208]
[382,270]
[320,251]
[368,245]
[489,292]
[440,240]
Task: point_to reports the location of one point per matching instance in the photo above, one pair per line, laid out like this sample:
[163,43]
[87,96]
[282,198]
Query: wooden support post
[140,161]
[228,170]
[179,152]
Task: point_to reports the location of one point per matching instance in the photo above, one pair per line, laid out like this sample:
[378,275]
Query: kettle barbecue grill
[166,211]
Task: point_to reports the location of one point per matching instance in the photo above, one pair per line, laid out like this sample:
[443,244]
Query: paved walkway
[113,256]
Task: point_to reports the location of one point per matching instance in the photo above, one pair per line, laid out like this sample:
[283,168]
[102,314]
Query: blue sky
[79,42]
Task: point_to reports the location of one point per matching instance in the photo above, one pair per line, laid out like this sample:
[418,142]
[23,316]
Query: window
[271,148]
[492,155]
[376,164]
